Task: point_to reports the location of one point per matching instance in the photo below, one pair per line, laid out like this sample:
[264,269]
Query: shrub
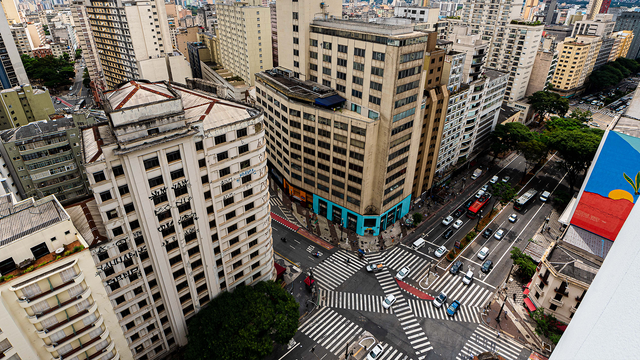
[58,257]
[29,269]
[67,253]
[1,279]
[417,218]
[77,248]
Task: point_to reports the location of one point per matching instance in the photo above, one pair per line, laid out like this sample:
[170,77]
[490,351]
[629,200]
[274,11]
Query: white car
[479,193]
[402,273]
[494,179]
[441,251]
[468,277]
[513,218]
[482,254]
[447,221]
[485,187]
[506,179]
[388,301]
[375,352]
[499,234]
[440,300]
[458,224]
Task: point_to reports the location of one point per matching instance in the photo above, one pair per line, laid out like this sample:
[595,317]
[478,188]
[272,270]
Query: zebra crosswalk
[330,330]
[475,294]
[275,201]
[399,257]
[352,301]
[389,353]
[335,270]
[485,339]
[425,309]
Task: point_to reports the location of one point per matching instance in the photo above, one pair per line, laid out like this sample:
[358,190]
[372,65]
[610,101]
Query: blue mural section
[361,224]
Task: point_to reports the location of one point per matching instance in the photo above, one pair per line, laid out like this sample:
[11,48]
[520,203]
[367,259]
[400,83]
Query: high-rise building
[630,21]
[604,8]
[551,14]
[623,40]
[245,36]
[577,58]
[24,104]
[513,44]
[274,33]
[180,181]
[294,19]
[543,69]
[53,305]
[43,158]
[87,43]
[593,8]
[529,9]
[22,39]
[601,25]
[354,166]
[134,41]
[12,71]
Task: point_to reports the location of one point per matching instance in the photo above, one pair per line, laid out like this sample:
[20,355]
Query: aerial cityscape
[319,179]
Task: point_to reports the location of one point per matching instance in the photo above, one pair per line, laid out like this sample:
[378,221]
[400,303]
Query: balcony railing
[42,294]
[556,302]
[562,291]
[84,346]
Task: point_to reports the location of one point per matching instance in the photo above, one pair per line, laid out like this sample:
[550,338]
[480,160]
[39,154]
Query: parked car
[375,267]
[479,193]
[485,187]
[453,308]
[447,221]
[403,273]
[506,179]
[440,300]
[513,218]
[482,254]
[494,179]
[388,301]
[499,234]
[487,233]
[468,277]
[487,266]
[457,266]
[458,224]
[375,352]
[440,251]
[447,234]
[458,213]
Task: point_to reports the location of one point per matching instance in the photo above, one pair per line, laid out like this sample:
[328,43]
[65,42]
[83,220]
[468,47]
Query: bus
[478,205]
[524,200]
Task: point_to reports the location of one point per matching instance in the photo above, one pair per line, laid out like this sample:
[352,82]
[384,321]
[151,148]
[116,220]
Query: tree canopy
[534,151]
[612,73]
[546,102]
[50,71]
[243,324]
[576,148]
[526,266]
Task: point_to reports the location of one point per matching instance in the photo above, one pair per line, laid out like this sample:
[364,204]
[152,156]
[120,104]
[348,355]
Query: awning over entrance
[526,289]
[529,304]
[279,269]
[330,101]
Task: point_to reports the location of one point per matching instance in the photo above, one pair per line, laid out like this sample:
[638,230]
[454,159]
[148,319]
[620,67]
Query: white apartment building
[513,44]
[52,304]
[180,181]
[428,15]
[22,39]
[12,71]
[293,23]
[244,29]
[87,43]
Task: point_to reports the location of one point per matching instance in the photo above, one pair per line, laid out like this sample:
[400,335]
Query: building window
[99,176]
[105,196]
[151,163]
[173,156]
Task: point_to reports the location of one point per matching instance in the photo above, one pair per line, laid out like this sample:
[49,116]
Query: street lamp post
[479,218]
[505,298]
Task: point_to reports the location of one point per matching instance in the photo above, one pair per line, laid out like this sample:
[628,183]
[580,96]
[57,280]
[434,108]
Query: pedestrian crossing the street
[474,295]
[335,270]
[330,330]
[398,257]
[486,339]
[352,301]
[425,309]
[275,201]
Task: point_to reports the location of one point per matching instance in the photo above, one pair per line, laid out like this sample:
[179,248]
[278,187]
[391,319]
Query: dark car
[458,213]
[447,234]
[457,266]
[487,233]
[487,266]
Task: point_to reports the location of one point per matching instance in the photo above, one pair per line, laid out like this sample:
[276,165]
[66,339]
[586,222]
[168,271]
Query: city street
[71,97]
[350,298]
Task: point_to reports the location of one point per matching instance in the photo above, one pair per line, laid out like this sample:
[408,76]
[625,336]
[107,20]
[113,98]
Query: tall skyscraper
[87,43]
[180,181]
[12,71]
[593,8]
[244,29]
[630,21]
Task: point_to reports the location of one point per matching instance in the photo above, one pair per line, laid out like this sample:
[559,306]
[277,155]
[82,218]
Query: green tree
[534,152]
[78,54]
[526,266]
[49,71]
[243,324]
[86,80]
[545,102]
[546,325]
[558,124]
[503,193]
[46,29]
[582,116]
[576,148]
[417,218]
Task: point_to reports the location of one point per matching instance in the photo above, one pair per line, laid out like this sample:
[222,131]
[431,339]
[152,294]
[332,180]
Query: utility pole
[505,298]
[479,218]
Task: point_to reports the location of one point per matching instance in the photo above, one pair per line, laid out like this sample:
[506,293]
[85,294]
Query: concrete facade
[577,57]
[24,104]
[183,196]
[87,43]
[630,21]
[12,71]
[53,305]
[542,72]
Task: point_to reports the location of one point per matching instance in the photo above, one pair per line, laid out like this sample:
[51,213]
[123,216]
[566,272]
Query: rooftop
[573,262]
[629,122]
[295,88]
[37,129]
[135,93]
[19,219]
[506,112]
[367,27]
[494,74]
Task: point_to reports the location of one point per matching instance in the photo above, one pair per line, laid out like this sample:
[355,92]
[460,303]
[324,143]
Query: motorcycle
[283,239]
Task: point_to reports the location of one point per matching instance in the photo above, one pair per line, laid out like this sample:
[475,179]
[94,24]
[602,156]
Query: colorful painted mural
[612,189]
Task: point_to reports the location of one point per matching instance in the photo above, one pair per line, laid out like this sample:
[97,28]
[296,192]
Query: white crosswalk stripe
[425,309]
[352,301]
[473,295]
[275,201]
[330,330]
[335,270]
[397,258]
[389,353]
[485,339]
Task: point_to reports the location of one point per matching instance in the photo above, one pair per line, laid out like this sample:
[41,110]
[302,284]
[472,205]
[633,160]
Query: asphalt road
[351,297]
[71,97]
